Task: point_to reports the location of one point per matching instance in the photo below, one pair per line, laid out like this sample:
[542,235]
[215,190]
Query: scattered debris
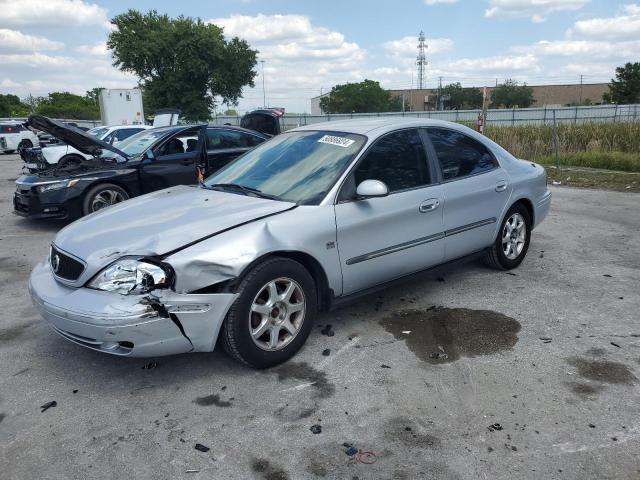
[406,332]
[439,356]
[191,470]
[316,429]
[545,339]
[606,275]
[75,391]
[512,274]
[201,448]
[48,405]
[326,352]
[542,254]
[495,427]
[327,330]
[384,366]
[615,344]
[591,425]
[351,451]
[556,183]
[150,365]
[368,458]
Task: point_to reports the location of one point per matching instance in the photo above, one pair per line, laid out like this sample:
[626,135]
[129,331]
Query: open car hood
[75,137]
[265,121]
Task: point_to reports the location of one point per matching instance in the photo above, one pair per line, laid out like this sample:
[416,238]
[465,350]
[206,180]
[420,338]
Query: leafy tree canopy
[182,62]
[458,98]
[364,97]
[11,106]
[231,112]
[625,88]
[67,105]
[510,94]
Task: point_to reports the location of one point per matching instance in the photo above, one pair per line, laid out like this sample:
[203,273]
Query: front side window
[98,132]
[458,154]
[220,139]
[299,167]
[398,160]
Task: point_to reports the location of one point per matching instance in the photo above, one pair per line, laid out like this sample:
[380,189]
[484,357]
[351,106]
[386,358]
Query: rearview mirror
[372,189]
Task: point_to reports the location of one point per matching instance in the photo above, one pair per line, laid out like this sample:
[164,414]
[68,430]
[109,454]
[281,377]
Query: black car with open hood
[147,161]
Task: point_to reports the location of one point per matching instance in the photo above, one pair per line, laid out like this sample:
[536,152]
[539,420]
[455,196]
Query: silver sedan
[306,221]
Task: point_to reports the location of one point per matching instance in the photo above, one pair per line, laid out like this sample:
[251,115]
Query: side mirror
[372,189]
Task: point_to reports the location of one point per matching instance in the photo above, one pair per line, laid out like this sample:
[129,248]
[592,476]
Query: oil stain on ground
[304,372]
[603,370]
[441,335]
[212,400]
[11,333]
[268,471]
[403,430]
[585,390]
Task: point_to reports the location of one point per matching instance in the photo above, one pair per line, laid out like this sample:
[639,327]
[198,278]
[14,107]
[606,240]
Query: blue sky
[49,45]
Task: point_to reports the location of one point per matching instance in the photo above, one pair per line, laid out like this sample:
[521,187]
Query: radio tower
[421,61]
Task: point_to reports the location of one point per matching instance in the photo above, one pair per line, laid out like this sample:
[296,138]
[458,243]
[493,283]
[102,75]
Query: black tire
[102,189]
[70,161]
[496,256]
[24,144]
[235,335]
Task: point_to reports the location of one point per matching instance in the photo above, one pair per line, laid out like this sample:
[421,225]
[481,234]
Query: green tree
[12,106]
[182,62]
[67,105]
[364,97]
[510,95]
[625,88]
[93,95]
[231,112]
[458,98]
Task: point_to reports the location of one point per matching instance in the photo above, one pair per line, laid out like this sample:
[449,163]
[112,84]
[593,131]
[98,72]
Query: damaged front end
[33,159]
[159,322]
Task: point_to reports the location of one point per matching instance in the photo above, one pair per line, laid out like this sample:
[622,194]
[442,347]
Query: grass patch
[620,161]
[587,178]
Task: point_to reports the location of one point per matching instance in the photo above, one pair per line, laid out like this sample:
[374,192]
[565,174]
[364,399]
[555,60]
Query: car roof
[240,129]
[378,125]
[120,127]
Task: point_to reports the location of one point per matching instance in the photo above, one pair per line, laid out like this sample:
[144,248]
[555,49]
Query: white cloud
[626,25]
[532,9]
[36,59]
[439,2]
[51,13]
[97,50]
[13,41]
[586,48]
[496,64]
[8,83]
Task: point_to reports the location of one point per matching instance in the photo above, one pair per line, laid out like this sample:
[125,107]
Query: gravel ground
[549,352]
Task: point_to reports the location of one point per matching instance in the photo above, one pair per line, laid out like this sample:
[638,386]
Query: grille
[64,266]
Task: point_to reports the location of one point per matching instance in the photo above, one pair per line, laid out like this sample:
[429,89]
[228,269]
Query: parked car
[310,219]
[14,136]
[65,155]
[147,161]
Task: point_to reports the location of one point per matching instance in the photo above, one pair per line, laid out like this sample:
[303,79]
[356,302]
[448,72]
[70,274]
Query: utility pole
[581,81]
[264,94]
[421,60]
[439,104]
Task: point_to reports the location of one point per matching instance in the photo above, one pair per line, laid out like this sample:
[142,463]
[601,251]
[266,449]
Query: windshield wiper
[249,191]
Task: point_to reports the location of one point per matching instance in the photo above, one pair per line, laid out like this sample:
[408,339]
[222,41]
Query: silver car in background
[309,219]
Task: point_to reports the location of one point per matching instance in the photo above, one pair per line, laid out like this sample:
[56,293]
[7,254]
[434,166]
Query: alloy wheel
[105,198]
[514,235]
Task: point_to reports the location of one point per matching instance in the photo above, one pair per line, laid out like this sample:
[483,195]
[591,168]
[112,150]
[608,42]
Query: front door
[476,190]
[174,161]
[380,239]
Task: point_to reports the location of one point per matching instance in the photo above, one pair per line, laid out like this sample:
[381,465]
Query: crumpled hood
[159,222]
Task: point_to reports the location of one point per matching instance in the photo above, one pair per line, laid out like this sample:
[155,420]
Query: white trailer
[121,106]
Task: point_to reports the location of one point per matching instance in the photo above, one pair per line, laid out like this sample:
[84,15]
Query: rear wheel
[273,314]
[24,144]
[512,241]
[102,196]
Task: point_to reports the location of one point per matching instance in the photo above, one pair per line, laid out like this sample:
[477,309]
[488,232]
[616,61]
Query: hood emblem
[55,262]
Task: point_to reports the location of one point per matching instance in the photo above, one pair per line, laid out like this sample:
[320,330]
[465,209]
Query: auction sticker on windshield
[339,141]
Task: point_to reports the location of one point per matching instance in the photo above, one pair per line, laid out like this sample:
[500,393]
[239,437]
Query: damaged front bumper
[158,323]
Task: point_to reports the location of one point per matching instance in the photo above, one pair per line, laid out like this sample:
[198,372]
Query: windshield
[139,142]
[98,132]
[298,167]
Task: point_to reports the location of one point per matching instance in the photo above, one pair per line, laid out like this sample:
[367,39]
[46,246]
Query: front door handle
[429,205]
[501,186]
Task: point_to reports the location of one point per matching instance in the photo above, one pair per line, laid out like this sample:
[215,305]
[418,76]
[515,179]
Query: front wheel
[102,196]
[273,314]
[512,241]
[24,144]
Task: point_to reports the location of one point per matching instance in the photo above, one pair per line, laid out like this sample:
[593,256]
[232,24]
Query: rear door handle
[501,186]
[429,205]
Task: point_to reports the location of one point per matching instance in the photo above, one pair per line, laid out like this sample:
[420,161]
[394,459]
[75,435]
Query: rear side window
[458,154]
[398,160]
[219,138]
[11,128]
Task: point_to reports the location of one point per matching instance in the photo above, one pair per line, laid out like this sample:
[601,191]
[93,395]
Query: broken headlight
[130,276]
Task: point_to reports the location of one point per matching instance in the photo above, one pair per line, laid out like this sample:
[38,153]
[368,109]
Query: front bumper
[129,325]
[27,202]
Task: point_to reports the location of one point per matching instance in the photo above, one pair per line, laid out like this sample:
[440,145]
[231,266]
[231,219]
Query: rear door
[380,239]
[174,161]
[475,189]
[225,145]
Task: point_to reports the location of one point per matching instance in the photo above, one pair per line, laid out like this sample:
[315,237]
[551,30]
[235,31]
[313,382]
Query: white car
[14,136]
[65,155]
